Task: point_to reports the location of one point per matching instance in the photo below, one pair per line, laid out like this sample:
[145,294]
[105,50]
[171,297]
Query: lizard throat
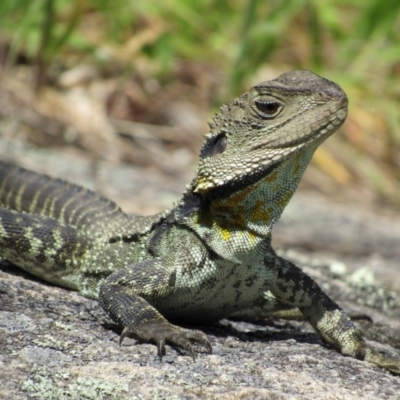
[237,219]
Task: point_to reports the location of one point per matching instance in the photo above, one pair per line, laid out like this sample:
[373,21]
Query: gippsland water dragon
[210,255]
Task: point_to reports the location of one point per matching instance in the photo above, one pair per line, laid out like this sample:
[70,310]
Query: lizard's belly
[225,289]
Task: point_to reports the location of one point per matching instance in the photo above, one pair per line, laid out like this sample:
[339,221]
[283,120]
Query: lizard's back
[25,191]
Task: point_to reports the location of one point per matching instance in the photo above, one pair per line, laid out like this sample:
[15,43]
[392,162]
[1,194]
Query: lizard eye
[268,109]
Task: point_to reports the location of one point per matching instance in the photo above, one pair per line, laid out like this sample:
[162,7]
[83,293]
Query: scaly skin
[210,256]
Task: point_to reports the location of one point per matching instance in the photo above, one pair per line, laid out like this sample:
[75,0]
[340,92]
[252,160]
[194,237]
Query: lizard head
[272,122]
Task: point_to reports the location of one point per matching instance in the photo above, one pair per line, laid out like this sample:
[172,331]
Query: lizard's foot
[346,338]
[119,298]
[161,332]
[390,364]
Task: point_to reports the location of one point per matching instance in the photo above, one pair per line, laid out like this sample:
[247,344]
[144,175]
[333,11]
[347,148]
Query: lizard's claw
[389,364]
[175,335]
[161,348]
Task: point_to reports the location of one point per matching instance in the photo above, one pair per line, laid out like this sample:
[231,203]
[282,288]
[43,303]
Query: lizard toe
[161,348]
[186,337]
[164,332]
[390,364]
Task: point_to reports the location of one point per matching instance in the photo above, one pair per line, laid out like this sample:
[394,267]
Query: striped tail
[25,191]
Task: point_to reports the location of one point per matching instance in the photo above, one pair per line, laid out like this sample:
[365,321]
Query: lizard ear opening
[216,145]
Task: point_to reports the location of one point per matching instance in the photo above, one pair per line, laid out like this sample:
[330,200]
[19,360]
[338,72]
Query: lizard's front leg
[295,288]
[126,296]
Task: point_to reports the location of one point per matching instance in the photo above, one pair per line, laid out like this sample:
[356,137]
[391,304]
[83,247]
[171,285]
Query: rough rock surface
[55,344]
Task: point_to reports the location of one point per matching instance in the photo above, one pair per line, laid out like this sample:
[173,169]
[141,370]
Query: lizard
[210,255]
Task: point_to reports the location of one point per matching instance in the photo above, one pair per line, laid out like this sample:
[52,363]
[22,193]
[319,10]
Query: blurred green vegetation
[353,42]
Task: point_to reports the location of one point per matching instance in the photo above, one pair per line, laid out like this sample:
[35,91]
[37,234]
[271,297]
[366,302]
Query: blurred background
[134,82]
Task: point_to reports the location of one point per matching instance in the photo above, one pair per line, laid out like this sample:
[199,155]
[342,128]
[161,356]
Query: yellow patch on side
[260,214]
[252,237]
[296,169]
[285,199]
[271,177]
[297,164]
[225,234]
[237,198]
